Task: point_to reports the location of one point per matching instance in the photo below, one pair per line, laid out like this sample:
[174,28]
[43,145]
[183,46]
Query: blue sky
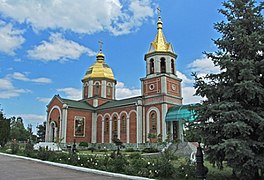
[46,46]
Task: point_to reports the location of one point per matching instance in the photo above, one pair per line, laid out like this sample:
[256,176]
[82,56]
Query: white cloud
[185,79]
[71,93]
[188,95]
[10,38]
[6,84]
[23,77]
[116,16]
[7,89]
[203,66]
[58,48]
[124,92]
[44,100]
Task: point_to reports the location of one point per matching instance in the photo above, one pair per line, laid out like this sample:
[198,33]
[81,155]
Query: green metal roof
[117,103]
[181,112]
[77,104]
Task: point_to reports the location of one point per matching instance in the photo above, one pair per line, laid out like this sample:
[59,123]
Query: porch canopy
[181,112]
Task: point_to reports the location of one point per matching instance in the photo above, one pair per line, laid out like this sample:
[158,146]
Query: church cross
[158,11]
[101,45]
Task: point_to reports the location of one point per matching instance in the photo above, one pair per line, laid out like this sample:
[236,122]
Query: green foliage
[18,131]
[28,148]
[14,147]
[232,117]
[150,150]
[4,129]
[83,144]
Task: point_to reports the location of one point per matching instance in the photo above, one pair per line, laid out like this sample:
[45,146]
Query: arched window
[151,66]
[172,67]
[123,124]
[108,90]
[97,88]
[106,125]
[162,65]
[153,119]
[115,124]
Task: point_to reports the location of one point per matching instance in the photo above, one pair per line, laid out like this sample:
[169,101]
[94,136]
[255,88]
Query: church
[98,116]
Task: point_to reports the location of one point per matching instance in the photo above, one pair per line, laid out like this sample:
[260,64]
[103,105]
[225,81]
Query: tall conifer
[232,117]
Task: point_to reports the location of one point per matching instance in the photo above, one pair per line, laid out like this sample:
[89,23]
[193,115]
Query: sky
[46,46]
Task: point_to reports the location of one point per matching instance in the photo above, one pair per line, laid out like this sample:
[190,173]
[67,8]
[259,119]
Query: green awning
[180,112]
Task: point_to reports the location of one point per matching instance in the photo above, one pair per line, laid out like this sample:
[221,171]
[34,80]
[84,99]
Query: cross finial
[158,11]
[101,45]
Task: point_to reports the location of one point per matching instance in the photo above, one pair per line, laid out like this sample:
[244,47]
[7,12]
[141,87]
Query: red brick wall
[173,87]
[156,84]
[70,125]
[133,128]
[99,130]
[118,111]
[123,134]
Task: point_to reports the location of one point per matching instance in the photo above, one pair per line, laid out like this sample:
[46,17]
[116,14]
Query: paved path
[12,168]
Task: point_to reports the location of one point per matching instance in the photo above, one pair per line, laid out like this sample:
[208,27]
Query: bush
[83,144]
[14,148]
[28,149]
[150,150]
[130,150]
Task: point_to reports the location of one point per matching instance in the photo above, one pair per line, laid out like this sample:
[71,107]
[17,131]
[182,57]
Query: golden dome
[99,70]
[160,44]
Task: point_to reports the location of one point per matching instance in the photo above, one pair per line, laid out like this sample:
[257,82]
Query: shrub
[130,150]
[14,148]
[83,144]
[150,150]
[28,149]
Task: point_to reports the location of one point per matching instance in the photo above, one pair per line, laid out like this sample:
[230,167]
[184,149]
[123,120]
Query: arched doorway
[53,132]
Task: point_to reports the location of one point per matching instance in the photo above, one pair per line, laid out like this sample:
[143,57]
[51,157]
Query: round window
[151,86]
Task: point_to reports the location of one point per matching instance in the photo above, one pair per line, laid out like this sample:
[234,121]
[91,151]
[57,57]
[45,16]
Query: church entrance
[52,133]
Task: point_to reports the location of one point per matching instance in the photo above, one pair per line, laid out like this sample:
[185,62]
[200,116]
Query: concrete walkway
[21,168]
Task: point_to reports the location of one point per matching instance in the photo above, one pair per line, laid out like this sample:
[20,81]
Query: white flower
[81,164]
[148,163]
[69,158]
[79,158]
[96,164]
[60,159]
[153,164]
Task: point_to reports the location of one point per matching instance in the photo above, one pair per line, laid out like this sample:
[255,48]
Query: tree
[18,131]
[41,132]
[232,117]
[4,129]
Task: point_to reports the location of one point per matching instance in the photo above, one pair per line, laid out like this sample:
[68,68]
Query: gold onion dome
[99,70]
[160,44]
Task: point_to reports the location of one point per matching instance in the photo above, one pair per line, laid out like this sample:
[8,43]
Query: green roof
[77,104]
[117,103]
[181,112]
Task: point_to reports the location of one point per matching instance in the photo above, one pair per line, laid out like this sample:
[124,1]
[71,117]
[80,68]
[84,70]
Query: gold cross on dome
[101,45]
[158,11]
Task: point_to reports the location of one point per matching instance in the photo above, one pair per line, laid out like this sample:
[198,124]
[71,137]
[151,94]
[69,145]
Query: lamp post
[201,170]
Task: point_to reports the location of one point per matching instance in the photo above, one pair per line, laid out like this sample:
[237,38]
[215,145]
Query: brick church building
[98,116]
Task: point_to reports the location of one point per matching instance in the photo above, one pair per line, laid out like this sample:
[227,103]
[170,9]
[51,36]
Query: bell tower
[161,88]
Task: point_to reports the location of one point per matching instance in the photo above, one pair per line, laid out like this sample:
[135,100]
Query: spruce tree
[232,117]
